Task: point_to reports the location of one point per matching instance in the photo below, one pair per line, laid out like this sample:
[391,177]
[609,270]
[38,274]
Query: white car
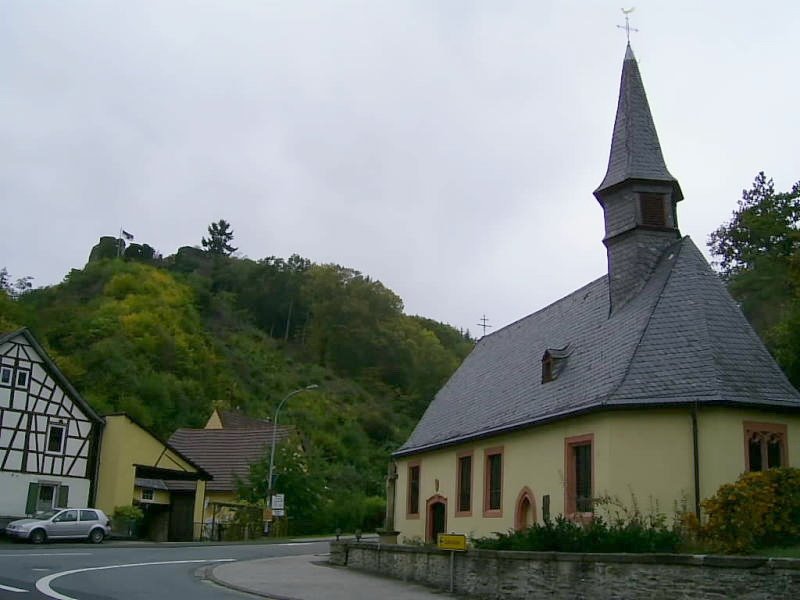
[62,524]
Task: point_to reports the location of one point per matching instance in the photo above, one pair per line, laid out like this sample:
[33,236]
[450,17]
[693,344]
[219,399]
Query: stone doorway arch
[436,517]
[525,509]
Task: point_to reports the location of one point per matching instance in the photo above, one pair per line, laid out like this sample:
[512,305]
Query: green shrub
[563,535]
[126,520]
[615,527]
[760,509]
[127,513]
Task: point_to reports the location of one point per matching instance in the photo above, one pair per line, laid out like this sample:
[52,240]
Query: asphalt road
[125,572]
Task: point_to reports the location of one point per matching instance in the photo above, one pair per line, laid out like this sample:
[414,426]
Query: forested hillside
[168,339]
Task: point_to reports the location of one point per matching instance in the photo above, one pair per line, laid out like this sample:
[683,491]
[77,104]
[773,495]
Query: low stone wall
[494,575]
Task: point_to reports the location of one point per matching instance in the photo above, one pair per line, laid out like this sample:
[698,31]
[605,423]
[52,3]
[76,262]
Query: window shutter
[33,496]
[63,496]
[652,206]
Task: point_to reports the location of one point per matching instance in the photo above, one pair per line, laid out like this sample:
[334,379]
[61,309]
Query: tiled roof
[234,419]
[682,339]
[224,453]
[635,149]
[156,484]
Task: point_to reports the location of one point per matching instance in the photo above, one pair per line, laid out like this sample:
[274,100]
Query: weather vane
[627,27]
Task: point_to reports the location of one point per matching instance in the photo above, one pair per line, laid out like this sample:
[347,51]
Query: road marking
[49,554]
[8,588]
[300,544]
[43,584]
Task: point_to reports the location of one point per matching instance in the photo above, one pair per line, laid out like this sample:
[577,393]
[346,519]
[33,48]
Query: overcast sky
[447,148]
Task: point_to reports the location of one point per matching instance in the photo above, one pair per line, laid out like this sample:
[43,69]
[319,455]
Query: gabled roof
[202,473]
[54,371]
[225,453]
[635,149]
[681,340]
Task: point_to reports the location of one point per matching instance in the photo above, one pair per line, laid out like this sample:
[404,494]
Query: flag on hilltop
[126,235]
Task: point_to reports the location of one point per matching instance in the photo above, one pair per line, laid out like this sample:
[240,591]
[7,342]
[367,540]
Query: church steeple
[638,194]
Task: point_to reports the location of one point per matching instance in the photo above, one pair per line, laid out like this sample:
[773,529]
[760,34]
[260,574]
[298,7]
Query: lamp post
[313,386]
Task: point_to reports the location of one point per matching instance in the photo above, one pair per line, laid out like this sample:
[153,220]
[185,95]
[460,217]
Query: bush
[563,535]
[126,520]
[127,513]
[760,509]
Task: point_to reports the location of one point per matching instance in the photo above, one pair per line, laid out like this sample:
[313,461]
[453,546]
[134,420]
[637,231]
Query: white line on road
[8,588]
[43,584]
[300,544]
[48,554]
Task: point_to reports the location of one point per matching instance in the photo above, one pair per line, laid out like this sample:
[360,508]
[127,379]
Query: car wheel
[96,536]
[38,536]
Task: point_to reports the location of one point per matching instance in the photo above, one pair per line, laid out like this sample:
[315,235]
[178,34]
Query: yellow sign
[452,541]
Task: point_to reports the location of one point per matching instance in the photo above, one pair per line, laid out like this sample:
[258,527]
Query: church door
[437,522]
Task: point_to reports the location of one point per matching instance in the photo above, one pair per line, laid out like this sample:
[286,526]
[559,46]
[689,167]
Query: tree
[759,257]
[220,237]
[758,252]
[765,224]
[16,289]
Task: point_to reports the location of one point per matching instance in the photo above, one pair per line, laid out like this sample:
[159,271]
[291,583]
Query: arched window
[525,511]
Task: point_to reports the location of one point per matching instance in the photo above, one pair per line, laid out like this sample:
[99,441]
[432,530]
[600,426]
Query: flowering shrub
[760,509]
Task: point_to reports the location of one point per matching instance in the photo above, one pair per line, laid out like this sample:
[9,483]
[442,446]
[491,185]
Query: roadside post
[454,542]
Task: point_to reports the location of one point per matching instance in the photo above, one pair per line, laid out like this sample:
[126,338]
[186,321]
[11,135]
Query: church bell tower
[639,196]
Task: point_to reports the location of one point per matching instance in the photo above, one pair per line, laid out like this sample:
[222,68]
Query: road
[125,572]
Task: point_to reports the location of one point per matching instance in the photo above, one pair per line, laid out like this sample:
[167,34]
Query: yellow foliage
[760,508]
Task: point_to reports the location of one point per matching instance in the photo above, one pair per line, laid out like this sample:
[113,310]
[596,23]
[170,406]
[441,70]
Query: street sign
[278,512]
[277,501]
[456,542]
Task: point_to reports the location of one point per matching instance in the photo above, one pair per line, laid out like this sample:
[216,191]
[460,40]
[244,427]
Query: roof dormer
[553,362]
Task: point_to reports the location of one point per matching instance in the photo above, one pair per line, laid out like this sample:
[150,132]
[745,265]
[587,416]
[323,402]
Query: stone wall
[491,575]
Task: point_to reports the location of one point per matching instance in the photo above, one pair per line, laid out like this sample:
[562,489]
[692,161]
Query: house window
[56,436]
[147,493]
[464,484]
[22,379]
[578,466]
[413,490]
[765,446]
[5,375]
[652,207]
[493,483]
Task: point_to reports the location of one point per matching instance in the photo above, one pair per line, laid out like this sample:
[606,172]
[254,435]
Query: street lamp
[313,386]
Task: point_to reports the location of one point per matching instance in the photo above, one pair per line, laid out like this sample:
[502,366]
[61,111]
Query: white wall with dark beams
[46,432]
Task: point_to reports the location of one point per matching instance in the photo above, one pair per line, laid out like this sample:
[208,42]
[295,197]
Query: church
[647,383]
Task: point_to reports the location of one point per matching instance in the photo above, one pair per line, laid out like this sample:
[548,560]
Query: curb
[208,574]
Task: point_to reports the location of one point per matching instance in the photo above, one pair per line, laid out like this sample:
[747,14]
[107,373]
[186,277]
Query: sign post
[454,542]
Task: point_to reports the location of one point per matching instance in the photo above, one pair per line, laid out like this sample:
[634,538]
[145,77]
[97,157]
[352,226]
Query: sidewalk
[310,577]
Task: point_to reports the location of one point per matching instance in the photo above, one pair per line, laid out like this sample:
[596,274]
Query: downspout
[696,462]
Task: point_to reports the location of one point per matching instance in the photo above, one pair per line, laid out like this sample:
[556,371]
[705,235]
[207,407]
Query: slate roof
[635,149]
[224,453]
[681,340]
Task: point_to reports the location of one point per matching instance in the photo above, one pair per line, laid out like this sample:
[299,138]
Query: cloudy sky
[448,148]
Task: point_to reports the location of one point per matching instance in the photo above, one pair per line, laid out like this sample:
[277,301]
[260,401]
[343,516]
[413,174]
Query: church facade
[645,385]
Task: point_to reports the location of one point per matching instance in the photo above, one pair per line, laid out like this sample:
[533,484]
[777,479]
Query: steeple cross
[627,27]
[484,322]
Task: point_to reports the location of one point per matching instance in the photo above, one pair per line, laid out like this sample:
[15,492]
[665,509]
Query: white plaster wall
[14,491]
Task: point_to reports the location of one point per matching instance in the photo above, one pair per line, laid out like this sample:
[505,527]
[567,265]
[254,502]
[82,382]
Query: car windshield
[45,514]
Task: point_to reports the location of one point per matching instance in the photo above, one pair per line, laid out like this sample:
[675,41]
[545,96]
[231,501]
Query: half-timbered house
[49,435]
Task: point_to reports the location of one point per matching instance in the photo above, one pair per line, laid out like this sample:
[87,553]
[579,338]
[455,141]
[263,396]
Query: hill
[168,339]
